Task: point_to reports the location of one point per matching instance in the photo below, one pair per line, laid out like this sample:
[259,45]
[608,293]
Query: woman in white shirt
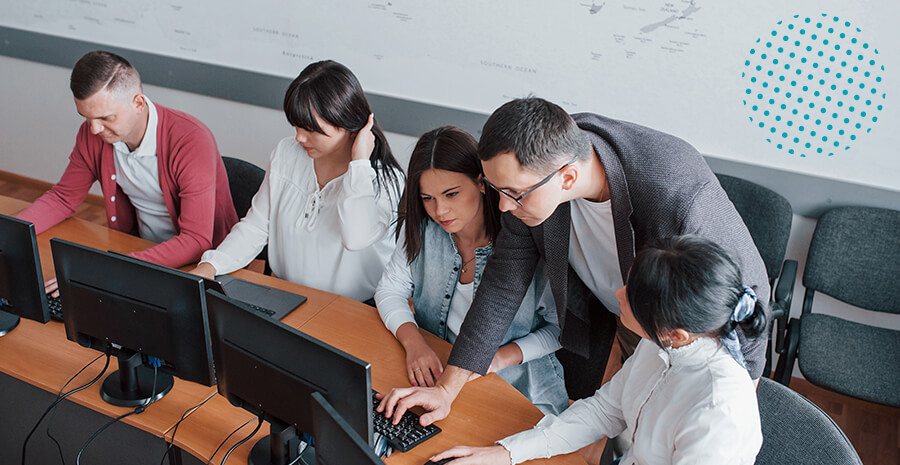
[328,201]
[684,397]
[448,221]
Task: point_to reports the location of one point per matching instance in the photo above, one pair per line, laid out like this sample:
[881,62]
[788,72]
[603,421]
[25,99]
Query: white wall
[38,123]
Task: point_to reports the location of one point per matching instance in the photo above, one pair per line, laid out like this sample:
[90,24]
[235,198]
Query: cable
[138,409]
[175,430]
[258,425]
[226,440]
[53,412]
[60,399]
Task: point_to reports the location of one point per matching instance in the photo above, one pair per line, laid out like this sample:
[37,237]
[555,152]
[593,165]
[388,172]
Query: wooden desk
[487,409]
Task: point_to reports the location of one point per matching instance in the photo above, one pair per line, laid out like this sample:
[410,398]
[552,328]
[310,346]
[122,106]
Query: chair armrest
[781,304]
[787,356]
[784,291]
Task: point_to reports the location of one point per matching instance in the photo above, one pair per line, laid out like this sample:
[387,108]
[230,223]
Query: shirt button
[112,199]
[446,296]
[113,177]
[113,219]
[441,323]
[455,268]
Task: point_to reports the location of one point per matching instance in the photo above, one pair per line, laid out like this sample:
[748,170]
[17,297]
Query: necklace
[466,264]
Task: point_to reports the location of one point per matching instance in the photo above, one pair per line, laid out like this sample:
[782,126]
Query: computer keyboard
[54,306]
[404,435]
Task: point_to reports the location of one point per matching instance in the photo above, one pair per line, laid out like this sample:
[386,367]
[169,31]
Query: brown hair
[445,148]
[100,70]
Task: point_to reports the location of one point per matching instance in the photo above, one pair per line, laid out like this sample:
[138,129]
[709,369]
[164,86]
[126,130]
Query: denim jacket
[438,265]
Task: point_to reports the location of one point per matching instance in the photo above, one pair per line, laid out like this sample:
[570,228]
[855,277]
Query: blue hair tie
[742,310]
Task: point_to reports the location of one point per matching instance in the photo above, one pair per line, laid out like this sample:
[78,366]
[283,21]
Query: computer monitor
[271,370]
[21,281]
[336,442]
[147,315]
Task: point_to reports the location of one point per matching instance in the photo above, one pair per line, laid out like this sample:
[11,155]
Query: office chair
[244,179]
[796,431]
[768,216]
[854,257]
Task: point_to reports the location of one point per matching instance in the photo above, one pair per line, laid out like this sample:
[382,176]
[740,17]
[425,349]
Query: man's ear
[569,176]
[139,102]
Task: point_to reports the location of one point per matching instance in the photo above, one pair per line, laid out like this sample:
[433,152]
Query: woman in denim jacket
[447,223]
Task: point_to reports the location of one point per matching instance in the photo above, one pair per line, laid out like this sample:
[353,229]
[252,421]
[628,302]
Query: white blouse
[336,239]
[692,405]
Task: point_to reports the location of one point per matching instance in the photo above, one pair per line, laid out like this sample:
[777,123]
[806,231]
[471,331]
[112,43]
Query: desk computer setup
[160,322]
[21,280]
[272,371]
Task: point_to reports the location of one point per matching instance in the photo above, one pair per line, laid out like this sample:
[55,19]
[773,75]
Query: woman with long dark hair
[685,396]
[327,204]
[448,221]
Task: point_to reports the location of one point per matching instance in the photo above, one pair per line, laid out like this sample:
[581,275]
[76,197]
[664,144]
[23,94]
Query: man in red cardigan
[160,170]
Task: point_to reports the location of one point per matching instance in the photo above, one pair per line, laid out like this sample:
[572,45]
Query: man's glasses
[518,199]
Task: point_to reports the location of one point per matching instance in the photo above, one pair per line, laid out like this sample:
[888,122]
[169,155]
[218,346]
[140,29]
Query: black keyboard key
[54,306]
[406,434]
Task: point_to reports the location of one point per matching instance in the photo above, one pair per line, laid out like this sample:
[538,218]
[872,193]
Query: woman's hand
[205,270]
[364,144]
[506,356]
[494,455]
[423,367]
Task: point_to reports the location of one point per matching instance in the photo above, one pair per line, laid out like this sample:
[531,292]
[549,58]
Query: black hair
[445,148]
[690,283]
[99,70]
[541,134]
[331,91]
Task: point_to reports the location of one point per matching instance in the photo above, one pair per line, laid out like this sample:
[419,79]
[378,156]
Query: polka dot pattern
[813,85]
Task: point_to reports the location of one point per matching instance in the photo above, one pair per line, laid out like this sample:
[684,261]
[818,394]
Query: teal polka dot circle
[813,85]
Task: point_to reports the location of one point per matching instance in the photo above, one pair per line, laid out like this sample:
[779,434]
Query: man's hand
[205,270]
[51,287]
[364,143]
[494,455]
[436,400]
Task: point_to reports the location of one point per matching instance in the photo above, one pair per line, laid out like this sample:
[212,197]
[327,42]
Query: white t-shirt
[137,173]
[592,250]
[459,306]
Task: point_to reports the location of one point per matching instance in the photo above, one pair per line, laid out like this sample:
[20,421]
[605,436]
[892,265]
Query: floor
[873,429]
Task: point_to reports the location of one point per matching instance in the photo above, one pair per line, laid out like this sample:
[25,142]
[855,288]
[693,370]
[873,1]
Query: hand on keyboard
[405,435]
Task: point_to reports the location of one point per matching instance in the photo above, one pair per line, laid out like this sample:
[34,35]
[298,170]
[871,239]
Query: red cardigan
[191,174]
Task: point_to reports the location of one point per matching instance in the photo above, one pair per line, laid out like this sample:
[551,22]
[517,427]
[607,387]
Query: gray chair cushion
[851,358]
[797,432]
[854,256]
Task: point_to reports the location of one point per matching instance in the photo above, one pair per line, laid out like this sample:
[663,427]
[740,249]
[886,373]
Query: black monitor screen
[21,280]
[153,314]
[336,442]
[271,369]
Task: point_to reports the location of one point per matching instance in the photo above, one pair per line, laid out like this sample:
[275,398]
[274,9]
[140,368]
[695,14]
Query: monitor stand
[8,322]
[132,384]
[280,447]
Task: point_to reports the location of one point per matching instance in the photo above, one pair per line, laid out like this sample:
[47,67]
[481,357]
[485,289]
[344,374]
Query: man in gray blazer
[588,192]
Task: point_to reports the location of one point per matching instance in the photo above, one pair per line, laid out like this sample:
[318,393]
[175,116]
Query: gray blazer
[660,186]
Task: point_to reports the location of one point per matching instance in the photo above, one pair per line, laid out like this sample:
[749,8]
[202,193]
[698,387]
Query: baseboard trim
[92,199]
